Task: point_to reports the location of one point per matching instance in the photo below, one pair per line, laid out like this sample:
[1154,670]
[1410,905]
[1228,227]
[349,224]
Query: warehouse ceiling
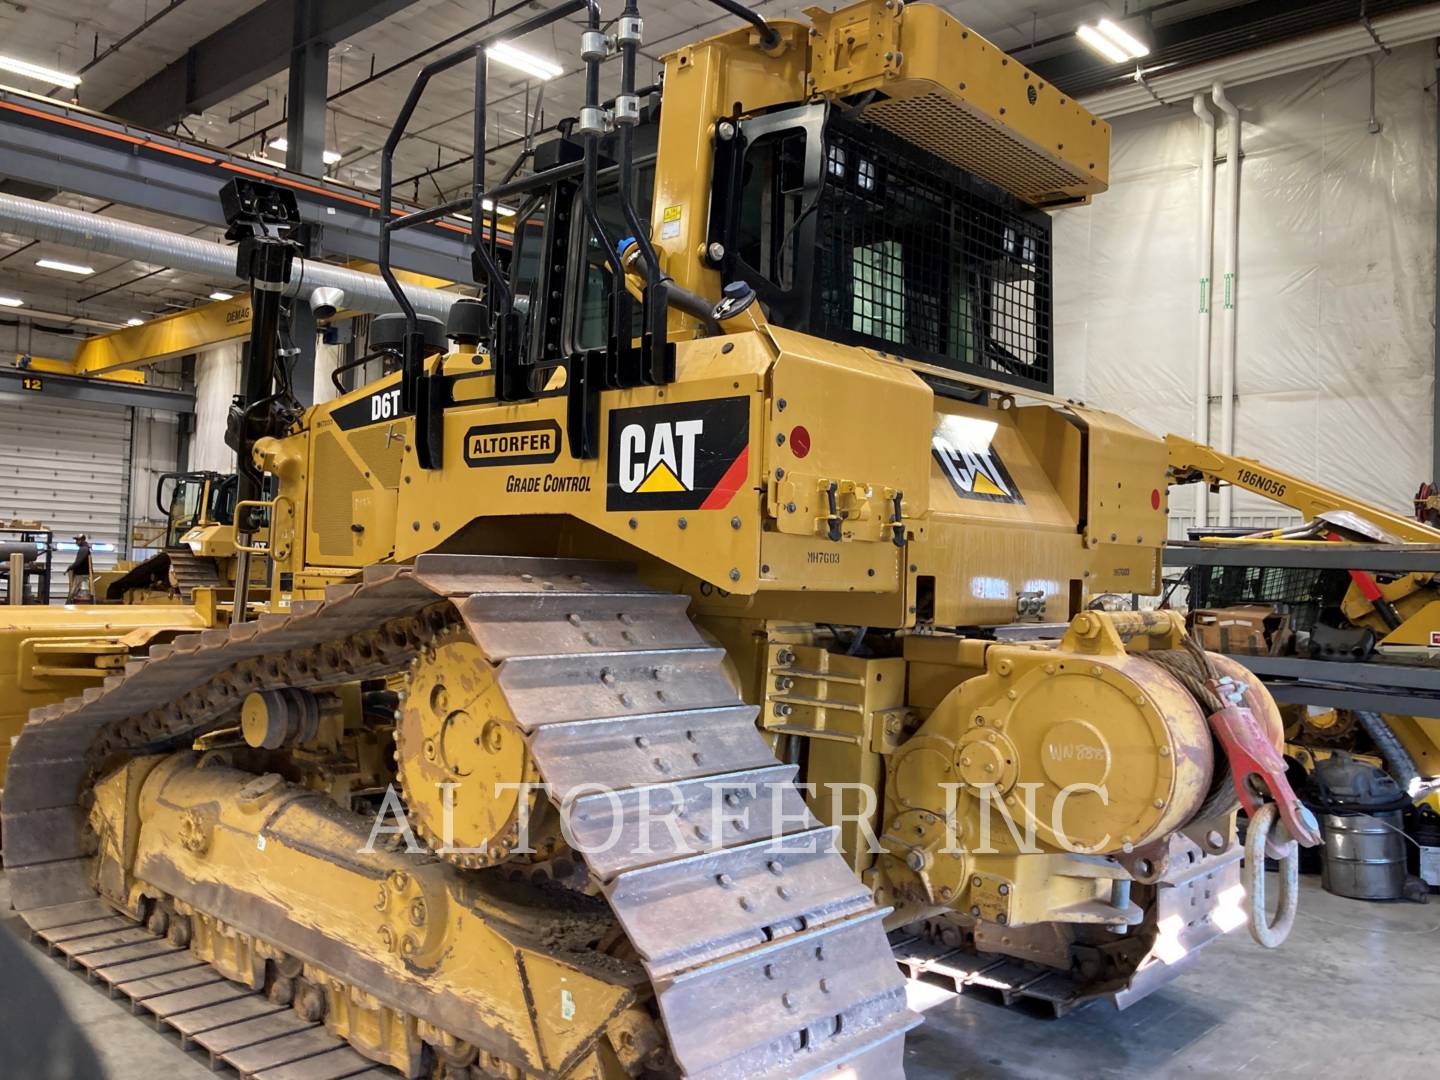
[123,48]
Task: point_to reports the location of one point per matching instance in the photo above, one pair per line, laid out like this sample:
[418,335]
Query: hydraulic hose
[590,132]
[769,36]
[625,103]
[1402,765]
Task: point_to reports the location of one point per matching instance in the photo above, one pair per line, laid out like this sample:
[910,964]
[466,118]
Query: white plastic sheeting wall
[217,381]
[1336,282]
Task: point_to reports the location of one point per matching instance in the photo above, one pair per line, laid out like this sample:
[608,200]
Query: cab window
[592,320]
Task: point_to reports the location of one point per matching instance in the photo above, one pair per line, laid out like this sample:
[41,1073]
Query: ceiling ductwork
[91,232]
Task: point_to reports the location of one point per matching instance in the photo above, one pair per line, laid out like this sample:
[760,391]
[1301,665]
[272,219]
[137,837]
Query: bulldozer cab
[820,172]
[188,500]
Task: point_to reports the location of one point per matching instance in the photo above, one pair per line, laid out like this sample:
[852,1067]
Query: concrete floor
[1355,992]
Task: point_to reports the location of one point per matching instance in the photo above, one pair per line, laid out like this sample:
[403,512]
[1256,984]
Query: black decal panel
[690,456]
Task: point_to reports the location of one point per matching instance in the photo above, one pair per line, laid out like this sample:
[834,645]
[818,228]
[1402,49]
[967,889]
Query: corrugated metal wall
[68,466]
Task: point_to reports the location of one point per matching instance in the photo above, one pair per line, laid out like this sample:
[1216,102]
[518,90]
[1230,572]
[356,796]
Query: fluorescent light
[504,211]
[11,301]
[1133,46]
[134,322]
[1112,43]
[221,294]
[64,267]
[521,60]
[283,145]
[38,73]
[1102,45]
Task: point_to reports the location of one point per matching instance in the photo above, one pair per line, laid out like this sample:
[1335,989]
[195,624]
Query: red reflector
[799,442]
[1155,499]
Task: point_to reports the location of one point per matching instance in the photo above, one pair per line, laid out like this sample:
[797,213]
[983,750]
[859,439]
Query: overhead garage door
[68,466]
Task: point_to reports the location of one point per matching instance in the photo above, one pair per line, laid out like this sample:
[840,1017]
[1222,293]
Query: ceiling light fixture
[134,322]
[1126,40]
[63,267]
[38,73]
[221,294]
[504,211]
[282,144]
[1114,44]
[11,301]
[520,60]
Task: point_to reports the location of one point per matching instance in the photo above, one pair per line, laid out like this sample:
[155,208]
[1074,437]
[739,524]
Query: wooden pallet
[962,970]
[238,1027]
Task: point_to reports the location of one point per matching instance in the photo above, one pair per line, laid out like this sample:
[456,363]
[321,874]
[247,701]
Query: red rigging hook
[1258,768]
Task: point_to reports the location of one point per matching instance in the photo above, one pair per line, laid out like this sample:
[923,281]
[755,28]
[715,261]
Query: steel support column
[309,67]
[1434,476]
[302,333]
[236,57]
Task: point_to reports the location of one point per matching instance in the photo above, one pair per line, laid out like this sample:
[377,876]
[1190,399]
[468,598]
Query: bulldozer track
[179,992]
[191,572]
[766,959]
[174,568]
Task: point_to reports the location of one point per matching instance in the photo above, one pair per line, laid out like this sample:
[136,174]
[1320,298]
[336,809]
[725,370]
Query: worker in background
[79,572]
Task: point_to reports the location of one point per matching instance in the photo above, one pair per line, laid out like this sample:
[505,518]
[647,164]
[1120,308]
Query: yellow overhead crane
[676,649]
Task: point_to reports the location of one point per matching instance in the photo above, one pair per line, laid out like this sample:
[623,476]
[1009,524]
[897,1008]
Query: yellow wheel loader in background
[712,605]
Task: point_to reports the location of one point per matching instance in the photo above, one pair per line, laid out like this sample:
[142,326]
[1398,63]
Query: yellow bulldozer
[48,654]
[704,603]
[196,549]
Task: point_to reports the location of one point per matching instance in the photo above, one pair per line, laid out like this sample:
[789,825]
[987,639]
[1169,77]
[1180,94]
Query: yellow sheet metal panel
[723,76]
[983,467]
[998,530]
[356,444]
[1057,443]
[980,571]
[98,633]
[677,475]
[841,418]
[945,88]
[1125,521]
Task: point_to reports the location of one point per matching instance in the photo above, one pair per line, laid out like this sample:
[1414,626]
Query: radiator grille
[968,139]
[383,461]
